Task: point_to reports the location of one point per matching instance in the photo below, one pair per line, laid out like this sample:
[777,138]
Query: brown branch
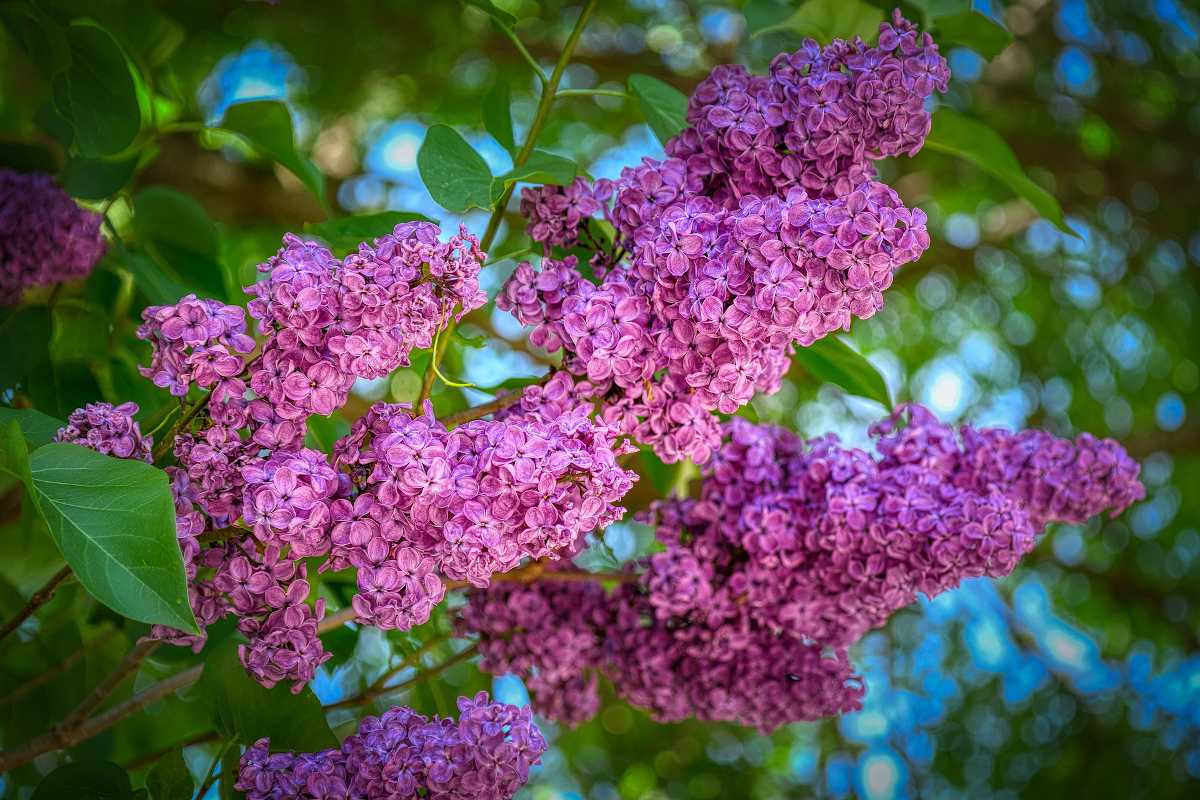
[478,412]
[39,599]
[380,691]
[109,685]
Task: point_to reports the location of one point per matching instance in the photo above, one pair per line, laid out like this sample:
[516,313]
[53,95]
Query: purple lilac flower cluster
[45,238]
[557,214]
[762,232]
[792,551]
[196,342]
[470,502]
[329,322]
[107,429]
[485,755]
[817,119]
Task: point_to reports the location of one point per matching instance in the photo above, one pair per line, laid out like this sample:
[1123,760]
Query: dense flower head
[45,238]
[556,213]
[331,321]
[107,429]
[559,637]
[470,502]
[789,554]
[287,500]
[195,342]
[761,232]
[485,755]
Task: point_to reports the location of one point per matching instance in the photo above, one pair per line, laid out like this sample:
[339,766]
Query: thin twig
[39,599]
[478,412]
[432,672]
[57,669]
[529,59]
[109,685]
[549,88]
[592,93]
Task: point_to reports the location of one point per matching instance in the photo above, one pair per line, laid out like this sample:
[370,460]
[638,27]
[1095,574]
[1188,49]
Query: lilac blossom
[45,238]
[485,755]
[107,429]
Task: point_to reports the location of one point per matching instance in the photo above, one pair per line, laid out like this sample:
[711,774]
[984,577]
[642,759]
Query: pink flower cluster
[196,342]
[470,502]
[738,254]
[45,238]
[329,322]
[485,755]
[817,119]
[107,429]
[792,551]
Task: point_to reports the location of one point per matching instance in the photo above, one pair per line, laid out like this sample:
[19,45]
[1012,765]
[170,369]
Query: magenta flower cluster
[107,429]
[196,343]
[792,551]
[738,254]
[329,322]
[45,238]
[470,502]
[485,755]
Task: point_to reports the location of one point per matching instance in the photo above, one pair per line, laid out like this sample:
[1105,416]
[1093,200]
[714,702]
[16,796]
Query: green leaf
[497,115]
[974,141]
[830,360]
[79,332]
[345,233]
[97,178]
[169,778]
[85,780]
[114,521]
[37,428]
[175,230]
[14,452]
[152,281]
[664,107]
[97,93]
[826,20]
[541,167]
[977,31]
[267,124]
[762,14]
[499,15]
[456,176]
[324,431]
[245,711]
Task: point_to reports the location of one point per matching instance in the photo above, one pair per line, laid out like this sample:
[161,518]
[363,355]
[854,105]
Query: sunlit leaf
[663,106]
[830,360]
[826,20]
[456,176]
[542,167]
[974,141]
[267,125]
[497,115]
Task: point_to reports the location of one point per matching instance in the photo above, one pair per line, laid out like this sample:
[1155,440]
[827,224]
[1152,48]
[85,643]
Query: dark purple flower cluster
[45,238]
[560,637]
[817,119]
[471,502]
[107,429]
[485,755]
[764,231]
[792,551]
[557,213]
[329,322]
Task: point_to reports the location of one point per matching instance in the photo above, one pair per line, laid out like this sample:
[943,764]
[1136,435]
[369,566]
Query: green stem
[539,120]
[529,59]
[591,93]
